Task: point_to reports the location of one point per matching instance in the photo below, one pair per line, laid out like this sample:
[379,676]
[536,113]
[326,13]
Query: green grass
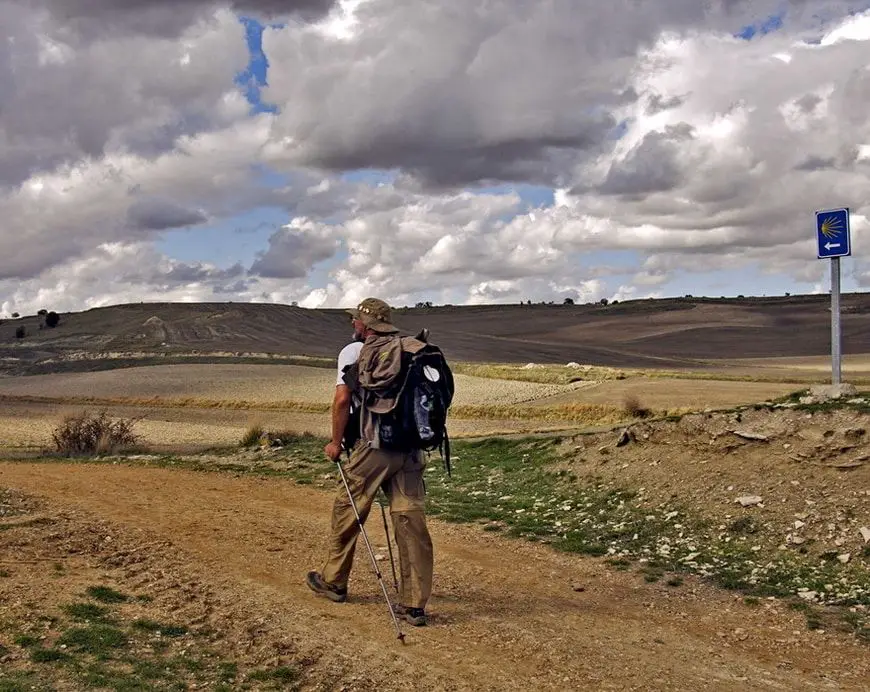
[115,651]
[160,628]
[25,640]
[97,639]
[85,612]
[48,655]
[106,594]
[282,676]
[793,401]
[21,681]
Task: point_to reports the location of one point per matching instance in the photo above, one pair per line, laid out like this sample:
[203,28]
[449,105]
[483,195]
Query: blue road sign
[832,233]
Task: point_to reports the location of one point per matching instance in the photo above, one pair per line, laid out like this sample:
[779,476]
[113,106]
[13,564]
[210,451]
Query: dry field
[856,367]
[257,384]
[209,405]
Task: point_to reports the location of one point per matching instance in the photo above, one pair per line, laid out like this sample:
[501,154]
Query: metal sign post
[833,241]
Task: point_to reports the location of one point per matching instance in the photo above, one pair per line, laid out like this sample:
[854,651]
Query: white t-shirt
[348,355]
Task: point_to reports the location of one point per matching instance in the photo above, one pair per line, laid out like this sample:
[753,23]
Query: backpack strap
[350,377]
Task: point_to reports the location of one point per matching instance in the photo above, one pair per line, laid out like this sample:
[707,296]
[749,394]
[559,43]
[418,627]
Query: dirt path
[505,614]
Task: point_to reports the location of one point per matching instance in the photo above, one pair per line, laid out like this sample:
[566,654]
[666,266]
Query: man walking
[370,467]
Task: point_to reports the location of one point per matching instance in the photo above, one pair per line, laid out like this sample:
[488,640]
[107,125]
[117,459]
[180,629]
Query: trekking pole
[389,547]
[362,529]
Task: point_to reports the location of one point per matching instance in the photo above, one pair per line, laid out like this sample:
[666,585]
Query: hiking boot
[415,616]
[318,585]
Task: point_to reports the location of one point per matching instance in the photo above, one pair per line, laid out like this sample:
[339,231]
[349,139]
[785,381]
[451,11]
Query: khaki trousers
[400,474]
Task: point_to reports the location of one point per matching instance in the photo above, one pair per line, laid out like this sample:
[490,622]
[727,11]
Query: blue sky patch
[236,239]
[763,27]
[254,77]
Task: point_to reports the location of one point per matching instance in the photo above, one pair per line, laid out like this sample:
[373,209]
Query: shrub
[634,408]
[252,436]
[86,434]
[20,333]
[52,319]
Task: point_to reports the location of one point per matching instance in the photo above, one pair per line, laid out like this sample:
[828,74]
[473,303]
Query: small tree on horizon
[52,319]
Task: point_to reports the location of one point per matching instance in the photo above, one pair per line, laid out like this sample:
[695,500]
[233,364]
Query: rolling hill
[663,333]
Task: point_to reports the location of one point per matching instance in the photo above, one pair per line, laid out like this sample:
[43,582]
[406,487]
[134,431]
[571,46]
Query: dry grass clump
[256,436]
[85,434]
[634,408]
[252,436]
[582,414]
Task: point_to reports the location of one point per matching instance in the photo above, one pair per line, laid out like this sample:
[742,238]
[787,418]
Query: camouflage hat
[376,315]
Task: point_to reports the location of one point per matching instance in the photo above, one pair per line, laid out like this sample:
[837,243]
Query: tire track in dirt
[505,615]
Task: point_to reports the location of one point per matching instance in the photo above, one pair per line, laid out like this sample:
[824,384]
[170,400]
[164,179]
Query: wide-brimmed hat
[375,314]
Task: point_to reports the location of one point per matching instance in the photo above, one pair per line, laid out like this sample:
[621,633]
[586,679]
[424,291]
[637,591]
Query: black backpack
[424,402]
[423,396]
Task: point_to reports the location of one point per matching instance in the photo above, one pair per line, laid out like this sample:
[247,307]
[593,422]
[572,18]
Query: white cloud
[727,146]
[116,273]
[66,100]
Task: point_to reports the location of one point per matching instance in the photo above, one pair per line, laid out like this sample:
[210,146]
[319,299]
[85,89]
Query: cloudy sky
[458,151]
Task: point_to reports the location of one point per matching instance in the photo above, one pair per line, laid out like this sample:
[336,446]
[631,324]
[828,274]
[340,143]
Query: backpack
[406,386]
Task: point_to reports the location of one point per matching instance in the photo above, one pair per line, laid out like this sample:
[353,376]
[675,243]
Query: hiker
[370,466]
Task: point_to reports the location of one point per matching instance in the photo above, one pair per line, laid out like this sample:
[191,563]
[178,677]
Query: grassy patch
[860,402]
[115,651]
[49,656]
[25,640]
[159,628]
[283,675]
[106,594]
[20,681]
[85,612]
[97,639]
